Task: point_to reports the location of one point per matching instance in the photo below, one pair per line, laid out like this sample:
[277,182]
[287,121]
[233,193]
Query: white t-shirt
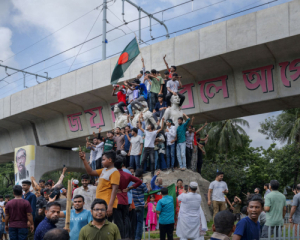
[99,149]
[135,145]
[218,188]
[129,95]
[150,138]
[189,139]
[173,85]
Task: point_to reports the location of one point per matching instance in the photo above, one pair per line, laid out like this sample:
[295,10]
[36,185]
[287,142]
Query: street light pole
[104,30]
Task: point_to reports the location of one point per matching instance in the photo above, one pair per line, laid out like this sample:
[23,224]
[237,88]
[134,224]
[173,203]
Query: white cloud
[259,139]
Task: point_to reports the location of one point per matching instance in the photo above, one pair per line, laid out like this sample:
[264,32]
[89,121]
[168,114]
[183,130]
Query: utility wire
[96,8]
[86,39]
[146,42]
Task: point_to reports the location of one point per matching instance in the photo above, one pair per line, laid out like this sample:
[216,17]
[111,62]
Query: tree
[7,178]
[226,135]
[285,127]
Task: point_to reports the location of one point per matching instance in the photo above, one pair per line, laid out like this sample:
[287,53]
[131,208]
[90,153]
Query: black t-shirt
[200,154]
[165,90]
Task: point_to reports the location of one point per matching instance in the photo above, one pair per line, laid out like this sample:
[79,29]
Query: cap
[75,181]
[193,184]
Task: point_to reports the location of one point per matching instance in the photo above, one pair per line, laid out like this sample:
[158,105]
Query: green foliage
[285,127]
[56,174]
[226,135]
[7,178]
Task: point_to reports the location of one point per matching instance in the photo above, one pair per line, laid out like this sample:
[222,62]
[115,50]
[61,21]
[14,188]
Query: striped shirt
[138,195]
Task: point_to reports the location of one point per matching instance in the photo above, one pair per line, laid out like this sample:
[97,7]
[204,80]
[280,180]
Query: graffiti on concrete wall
[253,79]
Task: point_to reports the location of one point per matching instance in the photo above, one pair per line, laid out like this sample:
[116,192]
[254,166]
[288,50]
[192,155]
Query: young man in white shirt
[172,87]
[136,148]
[150,136]
[217,189]
[170,133]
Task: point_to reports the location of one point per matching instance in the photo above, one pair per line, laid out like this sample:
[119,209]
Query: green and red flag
[126,58]
[171,192]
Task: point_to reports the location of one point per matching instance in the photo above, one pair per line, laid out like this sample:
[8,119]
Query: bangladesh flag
[127,57]
[158,196]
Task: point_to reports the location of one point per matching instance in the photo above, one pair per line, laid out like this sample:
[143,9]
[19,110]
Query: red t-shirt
[125,179]
[121,96]
[17,210]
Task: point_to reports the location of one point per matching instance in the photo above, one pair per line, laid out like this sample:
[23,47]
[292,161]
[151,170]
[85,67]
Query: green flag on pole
[126,58]
[171,192]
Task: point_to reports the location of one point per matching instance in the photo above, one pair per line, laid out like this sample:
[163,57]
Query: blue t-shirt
[78,221]
[127,142]
[248,229]
[143,91]
[159,105]
[166,208]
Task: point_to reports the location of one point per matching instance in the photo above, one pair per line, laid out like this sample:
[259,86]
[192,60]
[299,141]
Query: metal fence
[286,232]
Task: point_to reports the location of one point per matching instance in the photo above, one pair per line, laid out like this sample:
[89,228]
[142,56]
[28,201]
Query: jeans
[93,165]
[169,95]
[153,101]
[130,109]
[18,233]
[135,161]
[189,155]
[159,114]
[121,219]
[170,155]
[148,152]
[120,106]
[265,231]
[181,154]
[134,104]
[166,229]
[139,222]
[160,162]
[132,217]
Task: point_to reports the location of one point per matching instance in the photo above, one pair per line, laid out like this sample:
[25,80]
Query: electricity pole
[104,30]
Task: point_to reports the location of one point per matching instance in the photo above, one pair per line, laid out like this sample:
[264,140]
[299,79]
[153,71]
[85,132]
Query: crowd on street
[110,202]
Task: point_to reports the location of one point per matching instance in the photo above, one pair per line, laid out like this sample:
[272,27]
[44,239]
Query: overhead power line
[86,38]
[49,35]
[146,42]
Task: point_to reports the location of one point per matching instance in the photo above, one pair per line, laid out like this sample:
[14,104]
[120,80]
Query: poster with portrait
[24,163]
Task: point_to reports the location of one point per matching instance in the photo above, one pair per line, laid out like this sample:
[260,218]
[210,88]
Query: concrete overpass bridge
[244,66]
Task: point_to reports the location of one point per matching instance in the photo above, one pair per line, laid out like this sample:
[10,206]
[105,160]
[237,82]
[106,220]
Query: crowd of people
[111,203]
[115,203]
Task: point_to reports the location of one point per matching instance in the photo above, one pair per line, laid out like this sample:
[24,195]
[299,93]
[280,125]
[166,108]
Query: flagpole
[138,44]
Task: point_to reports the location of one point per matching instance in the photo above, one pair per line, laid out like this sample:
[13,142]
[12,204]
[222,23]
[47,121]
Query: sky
[34,30]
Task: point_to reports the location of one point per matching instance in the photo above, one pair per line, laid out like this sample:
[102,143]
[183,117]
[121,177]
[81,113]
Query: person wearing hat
[75,185]
[190,214]
[170,133]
